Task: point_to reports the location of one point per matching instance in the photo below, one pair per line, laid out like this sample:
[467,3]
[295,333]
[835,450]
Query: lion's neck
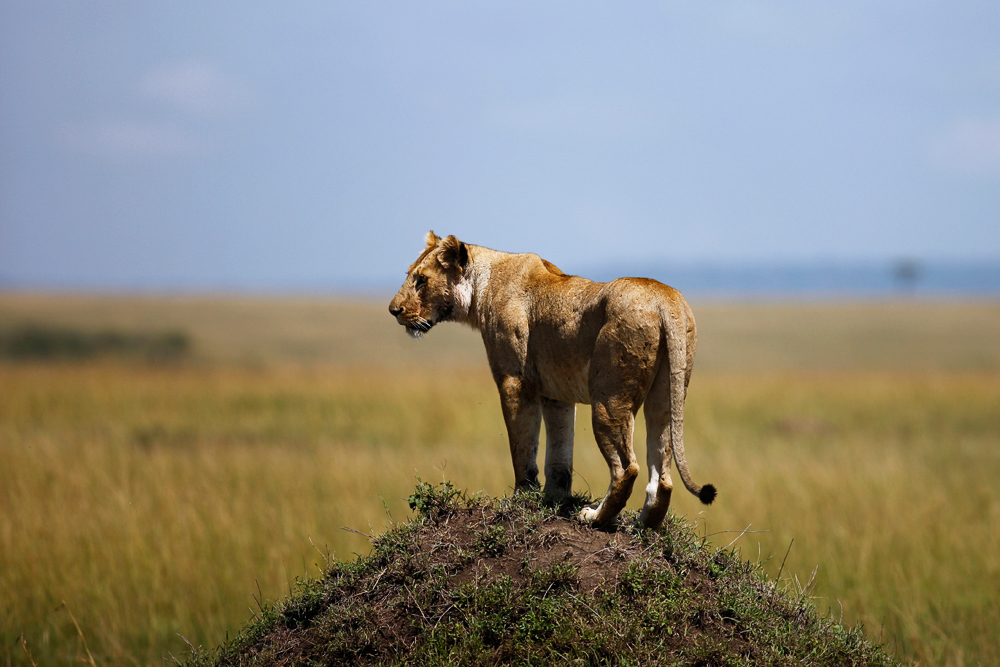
[470,292]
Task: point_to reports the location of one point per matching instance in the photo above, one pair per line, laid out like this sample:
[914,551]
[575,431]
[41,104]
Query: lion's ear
[431,239]
[453,253]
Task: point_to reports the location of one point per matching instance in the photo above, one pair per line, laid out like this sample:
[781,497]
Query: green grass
[155,499]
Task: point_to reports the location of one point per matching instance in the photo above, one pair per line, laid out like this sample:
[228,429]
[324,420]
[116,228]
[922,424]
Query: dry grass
[155,500]
[887,482]
[732,337]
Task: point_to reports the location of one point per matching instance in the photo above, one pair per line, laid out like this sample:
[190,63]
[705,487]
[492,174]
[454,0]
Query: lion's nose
[395,310]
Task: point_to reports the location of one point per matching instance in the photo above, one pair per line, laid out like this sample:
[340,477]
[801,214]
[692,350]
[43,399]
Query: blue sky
[293,145]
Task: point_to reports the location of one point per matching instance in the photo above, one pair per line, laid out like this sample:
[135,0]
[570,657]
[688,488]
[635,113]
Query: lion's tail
[680,327]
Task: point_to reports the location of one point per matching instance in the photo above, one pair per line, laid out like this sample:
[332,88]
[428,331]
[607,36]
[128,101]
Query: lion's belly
[566,382]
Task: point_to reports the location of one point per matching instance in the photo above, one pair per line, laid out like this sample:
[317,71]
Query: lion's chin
[418,329]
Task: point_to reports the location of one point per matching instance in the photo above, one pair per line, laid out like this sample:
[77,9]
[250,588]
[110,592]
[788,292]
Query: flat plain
[146,504]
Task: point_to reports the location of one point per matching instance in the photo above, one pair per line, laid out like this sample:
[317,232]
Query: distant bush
[35,342]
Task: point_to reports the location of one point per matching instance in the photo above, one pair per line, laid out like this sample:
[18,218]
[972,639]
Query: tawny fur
[553,341]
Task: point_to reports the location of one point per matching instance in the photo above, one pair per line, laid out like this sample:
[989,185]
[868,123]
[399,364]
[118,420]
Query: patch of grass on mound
[480,581]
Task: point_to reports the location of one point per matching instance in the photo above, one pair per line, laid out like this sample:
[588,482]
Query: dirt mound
[486,582]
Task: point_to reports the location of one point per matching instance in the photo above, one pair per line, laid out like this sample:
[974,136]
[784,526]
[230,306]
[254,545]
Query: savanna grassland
[146,503]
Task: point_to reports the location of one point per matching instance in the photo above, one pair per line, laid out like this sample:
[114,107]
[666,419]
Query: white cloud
[131,139]
[194,87]
[970,145]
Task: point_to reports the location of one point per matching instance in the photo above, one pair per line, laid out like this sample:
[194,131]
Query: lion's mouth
[418,326]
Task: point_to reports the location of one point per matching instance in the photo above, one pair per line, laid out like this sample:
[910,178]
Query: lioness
[555,340]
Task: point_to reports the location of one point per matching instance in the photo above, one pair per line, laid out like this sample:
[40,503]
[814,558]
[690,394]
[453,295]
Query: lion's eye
[418,281]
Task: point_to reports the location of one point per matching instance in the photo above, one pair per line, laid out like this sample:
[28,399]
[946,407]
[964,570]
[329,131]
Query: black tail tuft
[707,494]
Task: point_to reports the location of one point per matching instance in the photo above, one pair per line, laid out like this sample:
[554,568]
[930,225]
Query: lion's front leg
[560,421]
[523,415]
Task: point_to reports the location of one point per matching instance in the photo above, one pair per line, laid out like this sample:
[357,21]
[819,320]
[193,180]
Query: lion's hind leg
[658,452]
[616,392]
[613,432]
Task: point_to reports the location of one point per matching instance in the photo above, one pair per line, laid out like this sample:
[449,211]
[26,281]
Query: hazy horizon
[737,281]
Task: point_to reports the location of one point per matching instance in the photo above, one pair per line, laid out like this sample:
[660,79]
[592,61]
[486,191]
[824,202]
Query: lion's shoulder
[552,268]
[527,268]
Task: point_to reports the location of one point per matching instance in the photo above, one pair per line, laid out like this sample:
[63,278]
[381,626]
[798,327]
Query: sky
[242,145]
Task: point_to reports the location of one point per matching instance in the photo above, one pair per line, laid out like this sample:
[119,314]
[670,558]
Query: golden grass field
[157,501]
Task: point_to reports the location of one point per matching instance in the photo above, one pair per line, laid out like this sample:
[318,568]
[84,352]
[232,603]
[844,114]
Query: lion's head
[433,291]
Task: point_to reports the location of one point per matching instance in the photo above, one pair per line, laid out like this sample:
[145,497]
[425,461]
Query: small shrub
[429,500]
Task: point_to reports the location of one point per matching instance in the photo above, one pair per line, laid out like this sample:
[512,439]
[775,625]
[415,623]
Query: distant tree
[906,273]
